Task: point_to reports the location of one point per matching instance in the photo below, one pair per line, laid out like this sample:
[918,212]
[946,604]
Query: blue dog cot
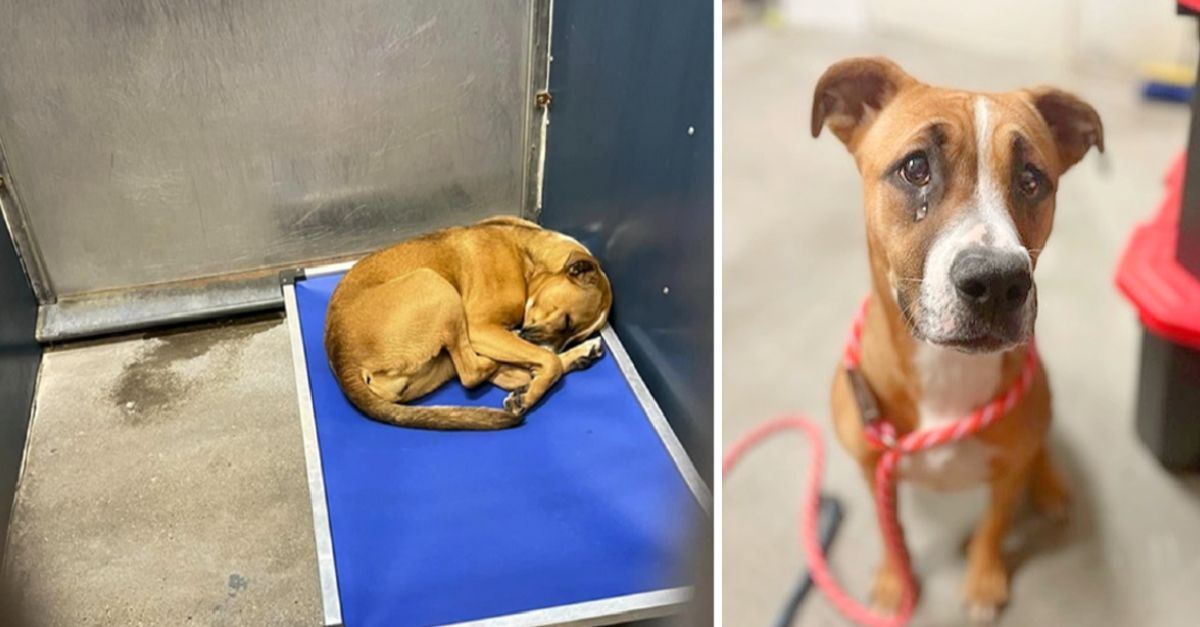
[582,515]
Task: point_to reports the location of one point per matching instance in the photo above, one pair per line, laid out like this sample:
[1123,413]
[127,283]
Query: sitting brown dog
[406,319]
[959,197]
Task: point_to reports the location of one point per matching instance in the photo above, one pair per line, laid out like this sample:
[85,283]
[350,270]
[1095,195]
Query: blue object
[582,502]
[1153,90]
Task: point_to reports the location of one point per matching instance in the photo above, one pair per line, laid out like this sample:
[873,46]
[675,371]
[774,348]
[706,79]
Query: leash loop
[882,436]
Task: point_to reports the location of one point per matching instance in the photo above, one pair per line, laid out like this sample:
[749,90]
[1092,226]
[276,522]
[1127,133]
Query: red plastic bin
[1165,294]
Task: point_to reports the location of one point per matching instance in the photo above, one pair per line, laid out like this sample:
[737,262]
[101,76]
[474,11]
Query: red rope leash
[882,436]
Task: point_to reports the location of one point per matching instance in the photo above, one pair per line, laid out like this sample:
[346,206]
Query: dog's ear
[851,92]
[582,268]
[1075,124]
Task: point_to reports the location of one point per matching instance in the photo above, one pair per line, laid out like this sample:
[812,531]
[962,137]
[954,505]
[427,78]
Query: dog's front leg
[581,356]
[986,588]
[888,589]
[505,347]
[511,377]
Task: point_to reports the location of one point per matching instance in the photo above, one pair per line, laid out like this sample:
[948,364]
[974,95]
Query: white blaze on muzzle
[986,223]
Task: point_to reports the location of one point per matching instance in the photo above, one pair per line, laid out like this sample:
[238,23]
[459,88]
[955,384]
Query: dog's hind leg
[394,386]
[504,346]
[511,378]
[420,340]
[1047,489]
[471,367]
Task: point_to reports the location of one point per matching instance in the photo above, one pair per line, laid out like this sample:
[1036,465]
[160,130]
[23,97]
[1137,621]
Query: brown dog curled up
[503,300]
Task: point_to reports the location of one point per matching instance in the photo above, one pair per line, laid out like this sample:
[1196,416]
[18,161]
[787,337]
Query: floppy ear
[1075,124]
[851,92]
[582,268]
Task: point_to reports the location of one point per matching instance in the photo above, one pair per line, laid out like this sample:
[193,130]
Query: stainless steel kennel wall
[163,155]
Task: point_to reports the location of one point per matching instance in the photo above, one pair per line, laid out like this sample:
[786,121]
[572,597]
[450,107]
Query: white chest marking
[952,385]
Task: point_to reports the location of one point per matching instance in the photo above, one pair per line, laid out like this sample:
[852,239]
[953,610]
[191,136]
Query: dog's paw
[888,591]
[594,351]
[986,591]
[982,614]
[515,403]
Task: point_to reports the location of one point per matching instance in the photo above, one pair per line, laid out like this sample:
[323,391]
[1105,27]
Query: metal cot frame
[599,612]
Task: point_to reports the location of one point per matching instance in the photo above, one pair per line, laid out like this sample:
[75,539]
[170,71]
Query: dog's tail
[445,418]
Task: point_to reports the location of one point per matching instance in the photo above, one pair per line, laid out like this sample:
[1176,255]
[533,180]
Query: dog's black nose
[991,281]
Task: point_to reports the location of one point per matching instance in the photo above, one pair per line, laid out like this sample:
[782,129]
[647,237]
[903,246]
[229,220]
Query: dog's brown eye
[1029,182]
[915,169]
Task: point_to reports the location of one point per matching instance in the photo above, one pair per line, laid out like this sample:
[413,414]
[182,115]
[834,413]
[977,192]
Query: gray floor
[164,484]
[795,269]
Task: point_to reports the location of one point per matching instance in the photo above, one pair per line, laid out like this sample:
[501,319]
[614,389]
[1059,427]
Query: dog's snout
[535,335]
[991,281]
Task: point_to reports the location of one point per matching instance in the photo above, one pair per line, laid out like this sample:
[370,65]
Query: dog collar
[881,434]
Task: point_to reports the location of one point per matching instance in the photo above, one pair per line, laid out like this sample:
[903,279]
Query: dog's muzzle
[539,336]
[532,334]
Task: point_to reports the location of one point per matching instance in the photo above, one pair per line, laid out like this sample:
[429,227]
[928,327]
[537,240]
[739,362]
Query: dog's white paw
[982,613]
[986,590]
[514,403]
[594,351]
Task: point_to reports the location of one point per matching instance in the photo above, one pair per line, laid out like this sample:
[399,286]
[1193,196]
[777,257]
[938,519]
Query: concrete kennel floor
[795,269]
[164,484]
